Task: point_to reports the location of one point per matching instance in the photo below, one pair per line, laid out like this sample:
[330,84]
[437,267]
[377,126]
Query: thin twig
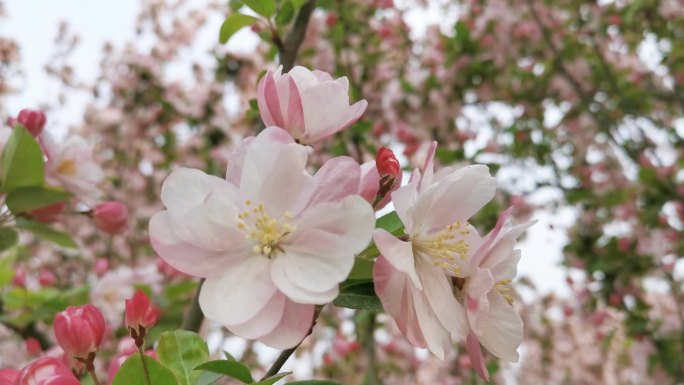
[144,365]
[194,317]
[290,47]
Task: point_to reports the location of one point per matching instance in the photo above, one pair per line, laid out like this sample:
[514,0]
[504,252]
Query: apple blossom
[79,330]
[310,105]
[140,316]
[46,371]
[493,322]
[71,165]
[271,240]
[411,276]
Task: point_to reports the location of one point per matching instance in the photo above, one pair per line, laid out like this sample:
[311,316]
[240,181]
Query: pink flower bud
[32,347]
[8,376]
[19,279]
[46,371]
[47,278]
[111,217]
[386,162]
[140,314]
[79,330]
[33,120]
[101,267]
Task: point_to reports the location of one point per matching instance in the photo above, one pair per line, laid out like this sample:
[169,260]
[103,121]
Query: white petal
[437,337]
[260,157]
[325,110]
[437,289]
[283,184]
[291,288]
[264,322]
[504,332]
[239,294]
[186,188]
[334,181]
[293,327]
[398,253]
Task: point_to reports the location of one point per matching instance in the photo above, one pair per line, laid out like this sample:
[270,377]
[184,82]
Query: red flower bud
[140,314]
[33,120]
[79,330]
[8,376]
[47,278]
[46,371]
[48,214]
[111,217]
[386,162]
[32,347]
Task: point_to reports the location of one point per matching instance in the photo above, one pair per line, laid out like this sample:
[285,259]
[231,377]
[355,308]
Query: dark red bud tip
[33,120]
[387,163]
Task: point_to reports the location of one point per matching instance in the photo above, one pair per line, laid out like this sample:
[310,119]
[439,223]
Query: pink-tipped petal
[398,253]
[294,326]
[476,357]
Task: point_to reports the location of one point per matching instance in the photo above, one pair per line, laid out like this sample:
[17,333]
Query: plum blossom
[413,275]
[310,105]
[271,240]
[71,165]
[492,320]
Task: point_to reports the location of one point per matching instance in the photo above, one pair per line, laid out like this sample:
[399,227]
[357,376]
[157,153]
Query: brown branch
[290,47]
[194,317]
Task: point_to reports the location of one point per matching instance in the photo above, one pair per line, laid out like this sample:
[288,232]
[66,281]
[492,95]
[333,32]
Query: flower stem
[285,355]
[144,365]
[194,317]
[91,371]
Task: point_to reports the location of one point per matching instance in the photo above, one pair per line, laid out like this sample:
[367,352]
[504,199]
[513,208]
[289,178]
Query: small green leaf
[233,24]
[30,198]
[230,368]
[182,351]
[285,15]
[272,380]
[6,270]
[361,296]
[363,269]
[390,222]
[22,161]
[298,3]
[8,238]
[265,8]
[131,372]
[46,232]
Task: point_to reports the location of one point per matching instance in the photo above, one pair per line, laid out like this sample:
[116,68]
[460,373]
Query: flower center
[67,167]
[265,231]
[443,247]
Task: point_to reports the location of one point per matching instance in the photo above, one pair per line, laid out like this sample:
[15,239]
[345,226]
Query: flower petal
[477,303]
[334,181]
[282,186]
[224,299]
[186,188]
[294,326]
[236,161]
[476,357]
[290,287]
[504,332]
[265,321]
[437,289]
[398,253]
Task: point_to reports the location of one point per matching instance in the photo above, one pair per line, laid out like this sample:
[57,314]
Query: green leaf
[363,269]
[272,380]
[390,222]
[233,24]
[30,198]
[46,232]
[208,378]
[298,3]
[22,161]
[265,8]
[182,351]
[361,296]
[6,270]
[8,238]
[314,382]
[131,372]
[285,15]
[230,368]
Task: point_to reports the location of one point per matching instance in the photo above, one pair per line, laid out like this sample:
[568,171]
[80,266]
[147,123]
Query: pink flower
[71,165]
[33,346]
[413,277]
[46,371]
[271,240]
[493,322]
[311,106]
[47,278]
[33,120]
[111,217]
[8,376]
[140,314]
[79,330]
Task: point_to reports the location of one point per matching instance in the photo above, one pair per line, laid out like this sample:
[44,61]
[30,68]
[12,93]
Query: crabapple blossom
[310,105]
[271,240]
[492,320]
[140,315]
[387,163]
[71,165]
[413,276]
[79,330]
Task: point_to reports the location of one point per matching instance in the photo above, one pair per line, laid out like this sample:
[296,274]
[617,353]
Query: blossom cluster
[273,241]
